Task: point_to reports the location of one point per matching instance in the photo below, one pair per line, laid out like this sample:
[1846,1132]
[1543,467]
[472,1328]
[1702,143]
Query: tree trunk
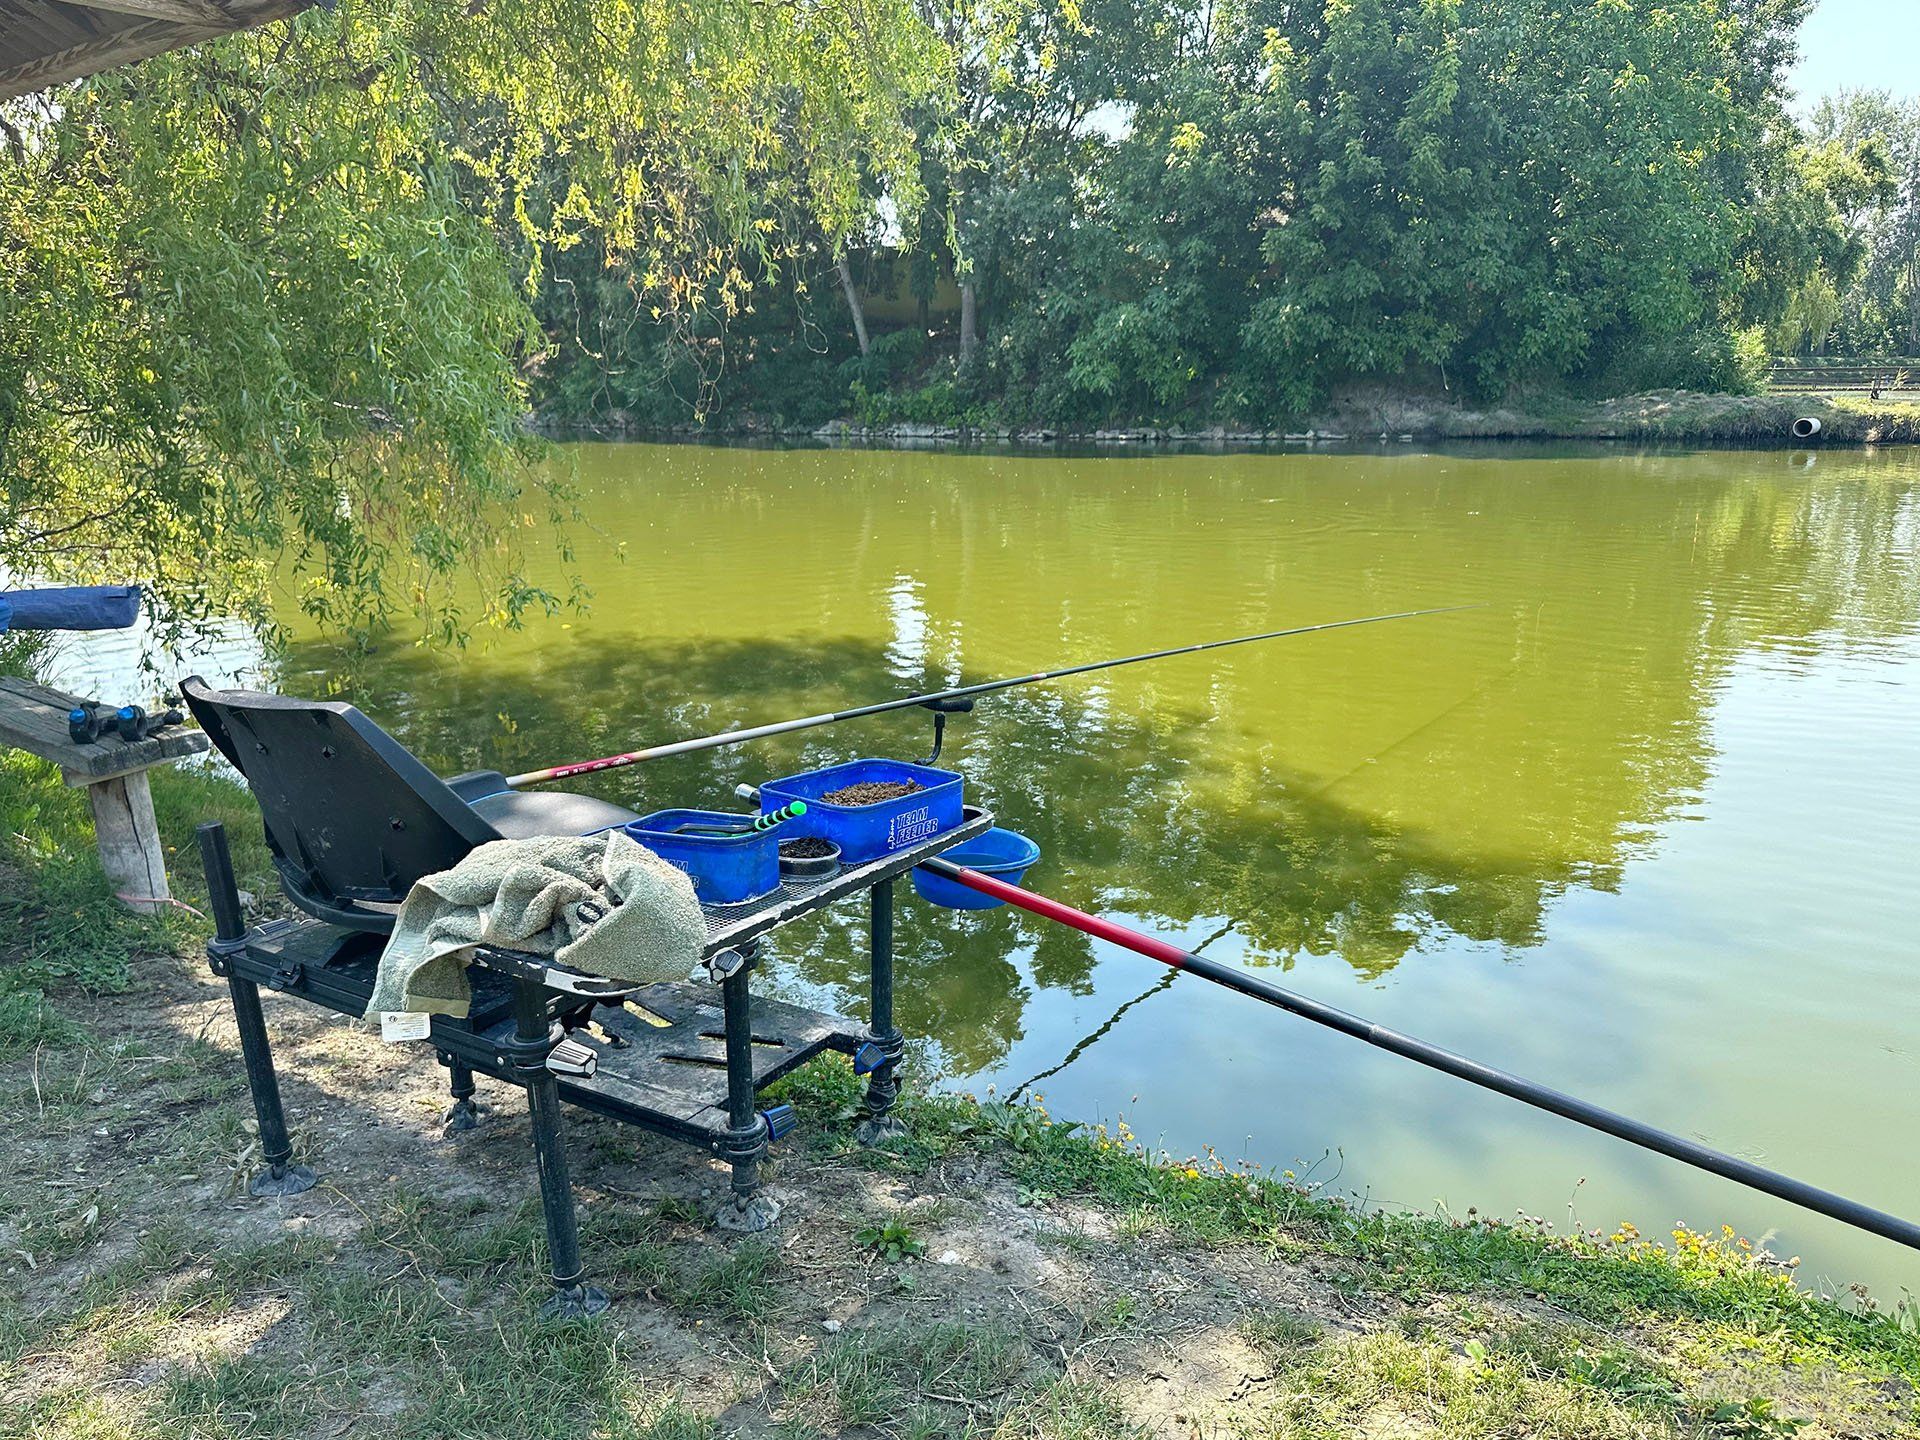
[1913,300]
[969,321]
[853,301]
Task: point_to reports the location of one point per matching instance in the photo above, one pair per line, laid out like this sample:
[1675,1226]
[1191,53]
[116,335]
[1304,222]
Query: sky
[1859,45]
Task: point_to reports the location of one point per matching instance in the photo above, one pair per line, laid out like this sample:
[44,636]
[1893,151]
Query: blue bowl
[1003,854]
[726,869]
[867,832]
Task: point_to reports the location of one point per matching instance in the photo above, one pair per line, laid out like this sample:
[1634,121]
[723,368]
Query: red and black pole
[1634,1132]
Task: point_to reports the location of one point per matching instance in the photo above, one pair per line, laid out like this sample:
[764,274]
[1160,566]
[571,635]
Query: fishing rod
[938,697]
[1634,1132]
[750,824]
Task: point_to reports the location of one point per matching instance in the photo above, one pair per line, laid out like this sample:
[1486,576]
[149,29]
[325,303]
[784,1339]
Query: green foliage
[893,1240]
[1225,212]
[1877,309]
[65,926]
[266,306]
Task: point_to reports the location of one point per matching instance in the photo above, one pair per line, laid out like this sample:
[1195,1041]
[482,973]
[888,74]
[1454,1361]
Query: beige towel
[599,903]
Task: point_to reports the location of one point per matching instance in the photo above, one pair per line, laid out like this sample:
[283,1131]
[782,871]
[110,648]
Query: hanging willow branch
[267,305]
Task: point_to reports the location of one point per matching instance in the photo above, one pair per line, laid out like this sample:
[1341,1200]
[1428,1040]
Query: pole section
[1634,1132]
[985,687]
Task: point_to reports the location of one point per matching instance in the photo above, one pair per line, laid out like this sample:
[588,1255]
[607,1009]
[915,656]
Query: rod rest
[551,975]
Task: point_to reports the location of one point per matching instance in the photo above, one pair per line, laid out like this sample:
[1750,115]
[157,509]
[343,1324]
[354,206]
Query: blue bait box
[726,869]
[1003,854]
[868,832]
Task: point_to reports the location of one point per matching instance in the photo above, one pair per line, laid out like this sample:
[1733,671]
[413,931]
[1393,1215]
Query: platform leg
[281,1177]
[883,1085]
[747,1207]
[463,1114]
[533,1038]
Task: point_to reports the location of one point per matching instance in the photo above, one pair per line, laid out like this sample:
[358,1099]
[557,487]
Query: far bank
[1680,417]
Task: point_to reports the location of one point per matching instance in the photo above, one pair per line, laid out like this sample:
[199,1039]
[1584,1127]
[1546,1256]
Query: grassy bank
[994,1274]
[1686,417]
[1372,413]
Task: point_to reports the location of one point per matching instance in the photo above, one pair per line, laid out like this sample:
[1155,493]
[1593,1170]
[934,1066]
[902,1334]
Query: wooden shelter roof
[46,42]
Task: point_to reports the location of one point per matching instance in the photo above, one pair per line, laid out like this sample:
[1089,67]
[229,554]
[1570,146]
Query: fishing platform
[685,1059]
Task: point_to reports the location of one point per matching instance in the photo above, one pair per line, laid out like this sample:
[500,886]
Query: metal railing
[1877,377]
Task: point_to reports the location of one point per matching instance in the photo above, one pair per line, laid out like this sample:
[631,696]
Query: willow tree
[266,306]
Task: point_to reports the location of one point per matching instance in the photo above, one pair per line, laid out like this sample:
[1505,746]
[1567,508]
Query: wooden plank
[34,718]
[45,27]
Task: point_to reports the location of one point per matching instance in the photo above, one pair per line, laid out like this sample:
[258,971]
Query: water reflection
[1355,795]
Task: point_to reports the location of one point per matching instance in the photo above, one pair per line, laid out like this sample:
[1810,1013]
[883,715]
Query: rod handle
[792,810]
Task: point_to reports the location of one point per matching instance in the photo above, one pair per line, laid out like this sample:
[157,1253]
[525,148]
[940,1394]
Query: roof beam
[181,12]
[137,41]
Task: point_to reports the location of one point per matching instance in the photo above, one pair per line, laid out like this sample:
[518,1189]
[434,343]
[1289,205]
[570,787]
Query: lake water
[1646,828]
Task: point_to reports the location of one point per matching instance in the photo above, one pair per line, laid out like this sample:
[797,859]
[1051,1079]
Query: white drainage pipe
[1806,427]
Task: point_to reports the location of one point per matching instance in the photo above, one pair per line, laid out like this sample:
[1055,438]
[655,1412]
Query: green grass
[942,1374]
[1620,1279]
[399,1317]
[68,937]
[1279,1334]
[1387,1382]
[29,1022]
[1067,1410]
[65,929]
[740,1284]
[46,834]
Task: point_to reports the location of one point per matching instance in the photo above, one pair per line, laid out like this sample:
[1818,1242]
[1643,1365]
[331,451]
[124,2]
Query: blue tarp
[77,607]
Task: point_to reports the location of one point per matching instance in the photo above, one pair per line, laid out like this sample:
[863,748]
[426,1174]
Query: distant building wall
[884,279]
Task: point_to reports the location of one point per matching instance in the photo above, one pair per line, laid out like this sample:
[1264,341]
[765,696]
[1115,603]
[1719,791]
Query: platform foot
[749,1213]
[575,1302]
[880,1130]
[283,1180]
[462,1115]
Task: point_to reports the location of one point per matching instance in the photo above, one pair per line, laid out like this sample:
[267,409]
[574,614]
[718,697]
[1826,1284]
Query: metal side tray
[686,1059]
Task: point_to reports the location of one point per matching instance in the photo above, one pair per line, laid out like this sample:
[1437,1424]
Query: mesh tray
[730,925]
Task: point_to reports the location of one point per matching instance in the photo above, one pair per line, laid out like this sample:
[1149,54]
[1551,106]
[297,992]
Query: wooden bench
[114,775]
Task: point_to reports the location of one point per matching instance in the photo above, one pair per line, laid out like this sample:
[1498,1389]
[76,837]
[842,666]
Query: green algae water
[1646,828]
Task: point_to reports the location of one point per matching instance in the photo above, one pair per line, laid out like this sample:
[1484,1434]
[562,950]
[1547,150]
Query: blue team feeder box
[1003,854]
[868,832]
[726,869]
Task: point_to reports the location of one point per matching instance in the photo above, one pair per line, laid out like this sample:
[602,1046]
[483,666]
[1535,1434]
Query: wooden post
[129,840]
